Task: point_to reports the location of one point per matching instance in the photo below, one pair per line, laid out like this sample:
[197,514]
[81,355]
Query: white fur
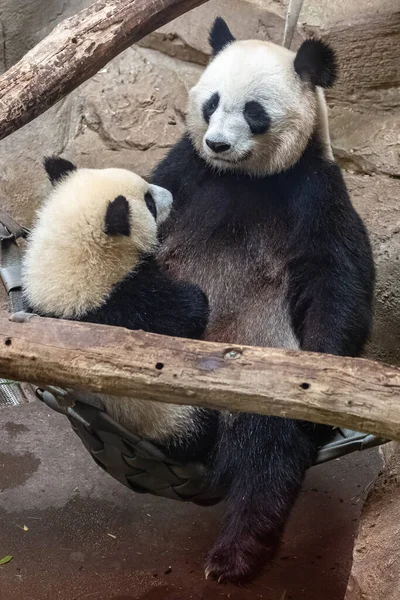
[264,72]
[71,264]
[323,124]
[163,200]
[156,421]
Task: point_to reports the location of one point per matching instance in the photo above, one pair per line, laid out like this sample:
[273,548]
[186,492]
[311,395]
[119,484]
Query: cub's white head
[257,104]
[89,234]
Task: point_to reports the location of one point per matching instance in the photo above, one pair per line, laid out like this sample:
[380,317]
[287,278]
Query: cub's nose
[218,146]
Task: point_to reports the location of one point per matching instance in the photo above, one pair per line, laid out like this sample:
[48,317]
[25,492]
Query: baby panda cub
[90,257]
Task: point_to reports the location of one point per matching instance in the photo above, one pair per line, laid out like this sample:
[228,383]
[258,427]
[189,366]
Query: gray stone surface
[377,200]
[132,112]
[324,13]
[187,36]
[23,23]
[22,181]
[366,140]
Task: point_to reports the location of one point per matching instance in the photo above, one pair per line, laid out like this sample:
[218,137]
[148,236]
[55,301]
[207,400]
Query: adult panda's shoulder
[316,182]
[328,227]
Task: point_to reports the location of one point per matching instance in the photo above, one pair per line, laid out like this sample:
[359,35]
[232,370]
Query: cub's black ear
[117,220]
[57,168]
[316,62]
[219,36]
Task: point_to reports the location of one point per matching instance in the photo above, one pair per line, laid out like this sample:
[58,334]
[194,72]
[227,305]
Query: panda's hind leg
[199,441]
[265,460]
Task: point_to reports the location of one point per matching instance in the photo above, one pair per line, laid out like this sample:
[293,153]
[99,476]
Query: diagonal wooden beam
[75,51]
[353,393]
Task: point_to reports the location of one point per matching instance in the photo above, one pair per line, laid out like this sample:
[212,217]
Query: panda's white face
[89,234]
[250,110]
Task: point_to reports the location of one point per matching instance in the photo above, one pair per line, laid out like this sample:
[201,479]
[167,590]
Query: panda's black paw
[234,563]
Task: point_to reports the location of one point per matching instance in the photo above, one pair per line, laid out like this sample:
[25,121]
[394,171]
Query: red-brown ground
[156,547]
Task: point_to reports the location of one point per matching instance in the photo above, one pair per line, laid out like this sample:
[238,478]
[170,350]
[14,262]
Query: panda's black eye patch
[256,117]
[210,106]
[151,205]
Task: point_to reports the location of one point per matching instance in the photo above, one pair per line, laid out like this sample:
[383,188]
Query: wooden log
[355,393]
[74,51]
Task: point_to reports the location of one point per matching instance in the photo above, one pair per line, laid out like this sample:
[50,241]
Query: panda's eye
[151,205]
[256,117]
[210,106]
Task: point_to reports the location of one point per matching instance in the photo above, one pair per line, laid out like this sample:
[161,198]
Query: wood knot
[232,354]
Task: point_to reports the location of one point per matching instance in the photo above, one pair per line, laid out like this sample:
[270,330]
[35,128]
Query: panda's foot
[237,562]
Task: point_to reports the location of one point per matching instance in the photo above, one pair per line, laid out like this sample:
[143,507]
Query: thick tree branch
[74,51]
[353,393]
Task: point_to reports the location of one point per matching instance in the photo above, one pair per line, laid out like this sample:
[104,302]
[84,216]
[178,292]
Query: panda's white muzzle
[163,201]
[228,138]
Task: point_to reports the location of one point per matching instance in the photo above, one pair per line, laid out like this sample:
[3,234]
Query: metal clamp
[10,260]
[346,442]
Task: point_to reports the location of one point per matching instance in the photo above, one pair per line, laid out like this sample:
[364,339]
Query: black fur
[210,106]
[315,61]
[151,205]
[256,117]
[150,300]
[117,219]
[305,217]
[57,168]
[220,36]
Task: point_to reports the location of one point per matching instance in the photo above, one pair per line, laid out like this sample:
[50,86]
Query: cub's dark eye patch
[210,106]
[151,205]
[256,117]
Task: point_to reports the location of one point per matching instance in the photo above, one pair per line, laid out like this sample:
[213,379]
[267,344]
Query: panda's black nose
[218,146]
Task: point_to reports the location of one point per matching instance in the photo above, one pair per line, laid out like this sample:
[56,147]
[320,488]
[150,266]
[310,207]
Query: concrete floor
[90,538]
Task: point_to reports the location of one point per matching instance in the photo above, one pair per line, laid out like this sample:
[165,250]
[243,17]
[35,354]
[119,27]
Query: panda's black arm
[338,318]
[332,286]
[175,168]
[151,300]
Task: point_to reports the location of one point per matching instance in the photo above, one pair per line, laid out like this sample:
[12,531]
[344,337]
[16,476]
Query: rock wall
[376,559]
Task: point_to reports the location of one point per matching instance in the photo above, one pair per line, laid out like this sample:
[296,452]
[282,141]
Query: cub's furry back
[91,257]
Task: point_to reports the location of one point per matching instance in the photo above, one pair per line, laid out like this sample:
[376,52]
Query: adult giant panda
[90,257]
[262,221]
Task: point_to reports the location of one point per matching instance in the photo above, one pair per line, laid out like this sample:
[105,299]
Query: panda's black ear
[57,168]
[117,219]
[316,62]
[219,36]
